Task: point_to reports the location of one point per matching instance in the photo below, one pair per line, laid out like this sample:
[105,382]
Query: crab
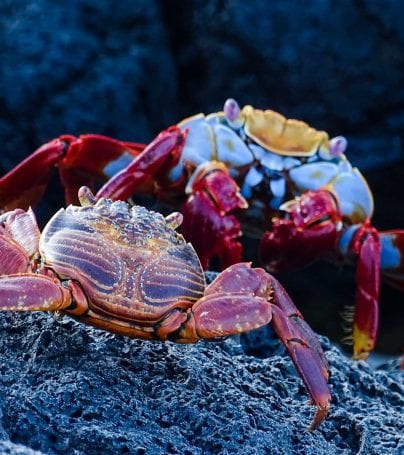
[126,270]
[239,171]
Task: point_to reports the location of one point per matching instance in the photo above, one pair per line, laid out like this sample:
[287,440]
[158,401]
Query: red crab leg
[25,184]
[19,241]
[366,244]
[160,155]
[207,223]
[241,299]
[29,292]
[92,157]
[79,159]
[376,252]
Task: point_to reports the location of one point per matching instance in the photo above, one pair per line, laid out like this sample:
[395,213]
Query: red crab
[125,269]
[299,194]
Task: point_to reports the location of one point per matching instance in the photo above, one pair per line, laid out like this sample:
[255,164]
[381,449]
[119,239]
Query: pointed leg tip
[360,355]
[319,417]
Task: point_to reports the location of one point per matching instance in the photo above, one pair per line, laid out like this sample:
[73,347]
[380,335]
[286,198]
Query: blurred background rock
[131,68]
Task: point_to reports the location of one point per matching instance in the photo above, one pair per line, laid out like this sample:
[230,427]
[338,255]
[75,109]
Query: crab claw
[312,228]
[309,230]
[208,224]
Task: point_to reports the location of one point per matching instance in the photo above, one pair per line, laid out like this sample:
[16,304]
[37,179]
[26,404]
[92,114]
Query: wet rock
[66,387]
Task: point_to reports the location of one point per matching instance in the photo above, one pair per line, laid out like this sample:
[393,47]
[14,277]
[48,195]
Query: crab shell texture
[132,265]
[274,132]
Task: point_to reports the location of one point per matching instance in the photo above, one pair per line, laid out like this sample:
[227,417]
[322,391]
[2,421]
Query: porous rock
[68,388]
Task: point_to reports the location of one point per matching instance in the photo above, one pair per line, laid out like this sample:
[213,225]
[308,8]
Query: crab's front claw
[306,231]
[241,299]
[208,223]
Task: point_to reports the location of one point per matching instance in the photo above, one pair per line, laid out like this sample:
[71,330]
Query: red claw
[208,224]
[313,229]
[80,161]
[309,231]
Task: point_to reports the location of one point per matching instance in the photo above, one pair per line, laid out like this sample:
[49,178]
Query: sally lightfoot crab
[125,269]
[239,171]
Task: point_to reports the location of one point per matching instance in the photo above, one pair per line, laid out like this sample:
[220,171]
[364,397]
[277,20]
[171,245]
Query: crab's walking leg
[377,253]
[29,292]
[140,175]
[92,157]
[208,224]
[242,299]
[80,160]
[25,184]
[366,245]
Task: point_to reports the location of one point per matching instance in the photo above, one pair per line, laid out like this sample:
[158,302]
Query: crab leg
[241,299]
[25,184]
[366,244]
[92,157]
[29,292]
[376,252]
[207,223]
[79,159]
[139,176]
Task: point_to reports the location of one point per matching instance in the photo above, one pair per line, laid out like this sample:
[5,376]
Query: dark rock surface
[68,388]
